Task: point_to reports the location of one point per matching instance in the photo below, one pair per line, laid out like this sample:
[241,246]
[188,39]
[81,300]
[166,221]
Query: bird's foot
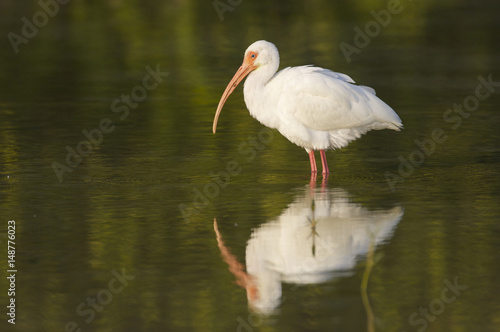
[325,179]
[312,182]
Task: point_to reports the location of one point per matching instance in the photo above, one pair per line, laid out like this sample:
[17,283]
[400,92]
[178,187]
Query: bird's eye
[252,55]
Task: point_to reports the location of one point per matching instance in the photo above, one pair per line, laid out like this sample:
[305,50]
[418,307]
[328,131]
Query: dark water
[111,173]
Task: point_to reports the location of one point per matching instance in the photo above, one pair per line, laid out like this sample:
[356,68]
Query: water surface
[403,236]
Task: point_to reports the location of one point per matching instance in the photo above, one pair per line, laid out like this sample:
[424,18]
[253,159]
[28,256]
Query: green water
[111,173]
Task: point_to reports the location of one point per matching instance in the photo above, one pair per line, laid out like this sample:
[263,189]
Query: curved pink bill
[243,71]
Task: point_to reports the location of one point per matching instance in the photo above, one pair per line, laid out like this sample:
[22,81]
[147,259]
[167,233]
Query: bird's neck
[254,90]
[263,74]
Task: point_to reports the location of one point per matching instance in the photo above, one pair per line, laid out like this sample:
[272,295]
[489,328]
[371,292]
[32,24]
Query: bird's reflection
[316,238]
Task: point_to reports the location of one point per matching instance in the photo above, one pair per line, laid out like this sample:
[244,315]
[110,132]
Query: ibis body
[313,107]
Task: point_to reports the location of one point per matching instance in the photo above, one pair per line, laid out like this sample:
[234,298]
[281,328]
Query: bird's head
[259,54]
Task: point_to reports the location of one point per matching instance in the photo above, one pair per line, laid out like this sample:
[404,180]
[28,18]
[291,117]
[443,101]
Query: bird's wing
[325,100]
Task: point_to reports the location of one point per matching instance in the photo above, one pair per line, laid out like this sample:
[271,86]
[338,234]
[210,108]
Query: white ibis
[313,107]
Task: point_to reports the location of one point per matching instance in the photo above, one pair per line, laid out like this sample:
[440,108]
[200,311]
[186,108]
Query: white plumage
[315,108]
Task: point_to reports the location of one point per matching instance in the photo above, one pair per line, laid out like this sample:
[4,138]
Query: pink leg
[312,182]
[323,162]
[312,160]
